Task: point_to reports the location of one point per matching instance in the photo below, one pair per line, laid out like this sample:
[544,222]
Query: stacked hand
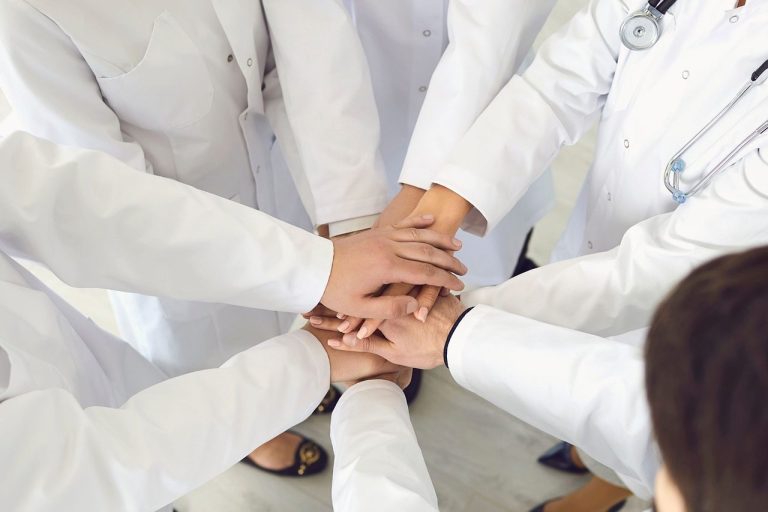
[366,262]
[404,341]
[394,273]
[412,203]
[407,253]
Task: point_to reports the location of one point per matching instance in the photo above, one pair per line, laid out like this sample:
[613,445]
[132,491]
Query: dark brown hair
[707,384]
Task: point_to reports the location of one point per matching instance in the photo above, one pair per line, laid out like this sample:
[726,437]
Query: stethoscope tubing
[672,175]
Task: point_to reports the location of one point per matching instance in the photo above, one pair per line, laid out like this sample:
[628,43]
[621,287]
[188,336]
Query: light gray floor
[480,459]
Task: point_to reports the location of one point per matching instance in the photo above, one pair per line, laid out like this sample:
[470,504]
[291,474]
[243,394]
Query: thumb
[384,307]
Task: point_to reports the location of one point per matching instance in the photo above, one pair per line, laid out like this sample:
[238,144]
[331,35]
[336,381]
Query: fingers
[349,324]
[391,307]
[423,273]
[427,254]
[371,325]
[319,310]
[427,298]
[417,221]
[427,236]
[325,323]
[375,344]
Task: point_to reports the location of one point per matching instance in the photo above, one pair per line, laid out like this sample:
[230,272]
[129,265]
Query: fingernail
[457,242]
[316,320]
[341,316]
[362,333]
[428,217]
[344,326]
[422,314]
[411,308]
[334,343]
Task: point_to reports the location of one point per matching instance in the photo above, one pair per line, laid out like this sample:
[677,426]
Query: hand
[364,262]
[407,341]
[350,367]
[449,210]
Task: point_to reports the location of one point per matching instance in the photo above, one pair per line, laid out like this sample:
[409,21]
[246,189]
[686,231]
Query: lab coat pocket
[169,88]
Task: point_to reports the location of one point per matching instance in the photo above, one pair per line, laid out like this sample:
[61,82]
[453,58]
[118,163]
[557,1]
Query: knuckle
[413,233]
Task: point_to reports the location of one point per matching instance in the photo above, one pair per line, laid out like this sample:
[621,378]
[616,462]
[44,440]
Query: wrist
[401,205]
[448,207]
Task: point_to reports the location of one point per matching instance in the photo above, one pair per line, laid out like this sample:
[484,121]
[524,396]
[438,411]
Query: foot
[597,496]
[576,459]
[277,454]
[563,457]
[329,401]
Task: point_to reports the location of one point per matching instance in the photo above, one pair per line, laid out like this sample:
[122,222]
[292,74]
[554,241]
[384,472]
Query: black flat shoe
[412,389]
[559,457]
[310,459]
[329,402]
[540,507]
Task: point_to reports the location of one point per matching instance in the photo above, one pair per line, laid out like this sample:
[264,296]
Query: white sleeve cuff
[344,227]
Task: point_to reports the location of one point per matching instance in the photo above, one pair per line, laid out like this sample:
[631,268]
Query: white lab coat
[378,465]
[87,423]
[97,223]
[707,52]
[82,414]
[176,90]
[573,385]
[508,360]
[472,48]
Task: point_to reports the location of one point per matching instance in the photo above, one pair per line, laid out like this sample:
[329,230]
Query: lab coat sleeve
[286,148]
[583,389]
[330,106]
[553,103]
[163,442]
[616,291]
[378,463]
[97,223]
[487,43]
[52,89]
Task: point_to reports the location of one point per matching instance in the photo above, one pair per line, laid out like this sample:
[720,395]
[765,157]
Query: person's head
[707,385]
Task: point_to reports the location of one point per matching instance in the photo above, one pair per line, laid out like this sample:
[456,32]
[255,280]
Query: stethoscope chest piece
[641,29]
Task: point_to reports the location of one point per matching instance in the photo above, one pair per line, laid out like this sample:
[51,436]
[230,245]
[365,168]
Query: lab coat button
[589,244]
[427,33]
[686,74]
[609,196]
[230,58]
[734,19]
[626,143]
[250,62]
[423,88]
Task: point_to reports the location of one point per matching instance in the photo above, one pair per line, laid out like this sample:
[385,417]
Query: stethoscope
[640,31]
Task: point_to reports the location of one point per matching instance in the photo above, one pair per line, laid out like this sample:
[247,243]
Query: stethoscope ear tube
[662,5]
[760,72]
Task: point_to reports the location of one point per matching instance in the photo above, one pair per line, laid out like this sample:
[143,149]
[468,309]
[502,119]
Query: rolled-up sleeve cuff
[344,227]
[341,211]
[314,274]
[489,205]
[367,387]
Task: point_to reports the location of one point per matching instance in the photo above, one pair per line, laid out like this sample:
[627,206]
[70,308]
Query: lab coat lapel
[246,31]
